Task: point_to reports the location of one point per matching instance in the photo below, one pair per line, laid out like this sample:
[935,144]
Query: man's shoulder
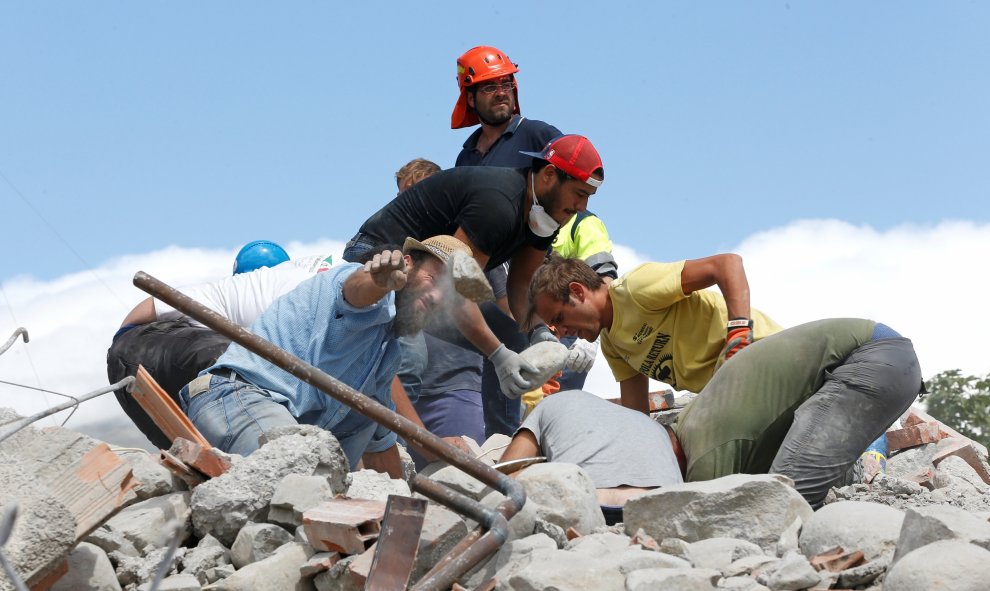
[535,134]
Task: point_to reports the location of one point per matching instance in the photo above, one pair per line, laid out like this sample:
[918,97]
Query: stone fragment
[790,573]
[547,357]
[372,485]
[954,471]
[156,480]
[948,564]
[257,541]
[208,554]
[337,578]
[645,541]
[89,570]
[492,448]
[598,544]
[788,541]
[556,533]
[913,464]
[854,525]
[559,569]
[295,494]
[675,547]
[924,525]
[134,570]
[219,572]
[741,584]
[453,477]
[348,526]
[278,571]
[562,494]
[144,524]
[747,565]
[634,558]
[111,541]
[756,508]
[222,505]
[318,563]
[889,485]
[719,553]
[863,574]
[442,530]
[408,465]
[682,579]
[511,557]
[175,583]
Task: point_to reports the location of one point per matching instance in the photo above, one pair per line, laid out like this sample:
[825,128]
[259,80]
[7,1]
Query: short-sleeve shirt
[486,202]
[662,333]
[616,446]
[530,135]
[315,323]
[243,297]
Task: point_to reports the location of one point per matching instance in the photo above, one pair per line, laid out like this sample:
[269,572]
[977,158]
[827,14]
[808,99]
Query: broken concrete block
[911,464]
[635,558]
[675,547]
[598,544]
[89,570]
[375,486]
[295,494]
[222,505]
[562,494]
[556,533]
[278,571]
[208,554]
[682,579]
[408,465]
[493,447]
[789,537]
[559,569]
[719,553]
[924,525]
[511,557]
[136,570]
[954,472]
[854,525]
[318,563]
[757,508]
[790,572]
[348,526]
[442,530]
[968,451]
[143,524]
[208,460]
[220,572]
[948,564]
[547,357]
[337,578]
[740,584]
[257,541]
[747,565]
[456,479]
[863,574]
[155,479]
[175,583]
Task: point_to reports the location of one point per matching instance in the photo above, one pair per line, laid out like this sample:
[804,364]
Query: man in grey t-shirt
[623,451]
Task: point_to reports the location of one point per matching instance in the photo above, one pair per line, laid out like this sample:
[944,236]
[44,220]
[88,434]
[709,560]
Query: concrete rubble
[292,516]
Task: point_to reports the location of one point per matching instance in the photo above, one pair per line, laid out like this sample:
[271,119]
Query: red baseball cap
[574,155]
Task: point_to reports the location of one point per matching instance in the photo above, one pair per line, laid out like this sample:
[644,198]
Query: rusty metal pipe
[515,495]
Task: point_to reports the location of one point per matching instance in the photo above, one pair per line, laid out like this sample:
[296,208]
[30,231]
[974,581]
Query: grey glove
[581,356]
[510,367]
[541,333]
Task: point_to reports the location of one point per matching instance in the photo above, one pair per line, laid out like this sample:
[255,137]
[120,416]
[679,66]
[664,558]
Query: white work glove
[541,333]
[510,367]
[581,356]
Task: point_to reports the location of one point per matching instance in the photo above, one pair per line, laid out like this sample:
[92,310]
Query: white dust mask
[540,222]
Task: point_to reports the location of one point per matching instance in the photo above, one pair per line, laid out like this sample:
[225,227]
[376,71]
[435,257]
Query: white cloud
[803,271]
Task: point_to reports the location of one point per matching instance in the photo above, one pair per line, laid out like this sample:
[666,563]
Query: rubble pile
[291,516]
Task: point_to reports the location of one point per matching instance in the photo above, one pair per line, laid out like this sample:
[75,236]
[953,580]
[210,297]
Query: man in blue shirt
[344,321]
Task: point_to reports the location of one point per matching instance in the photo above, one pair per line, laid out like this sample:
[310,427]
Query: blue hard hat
[258,254]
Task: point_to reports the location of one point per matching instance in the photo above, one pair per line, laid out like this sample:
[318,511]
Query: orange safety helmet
[477,65]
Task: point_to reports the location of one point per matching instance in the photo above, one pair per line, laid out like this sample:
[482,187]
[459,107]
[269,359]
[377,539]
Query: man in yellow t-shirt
[657,321]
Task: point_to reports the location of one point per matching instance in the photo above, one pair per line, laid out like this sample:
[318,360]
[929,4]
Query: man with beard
[501,214]
[345,322]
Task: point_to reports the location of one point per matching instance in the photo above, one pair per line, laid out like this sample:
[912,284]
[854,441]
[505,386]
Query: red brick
[347,526]
[965,449]
[913,436]
[207,460]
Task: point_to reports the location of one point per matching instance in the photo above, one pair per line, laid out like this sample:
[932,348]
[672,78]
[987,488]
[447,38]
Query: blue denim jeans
[233,414]
[571,380]
[357,247]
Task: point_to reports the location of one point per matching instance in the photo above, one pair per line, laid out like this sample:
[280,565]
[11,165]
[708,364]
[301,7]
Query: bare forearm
[386,462]
[634,393]
[143,313]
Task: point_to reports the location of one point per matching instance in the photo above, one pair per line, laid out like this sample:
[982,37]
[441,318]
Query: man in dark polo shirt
[489,96]
[502,214]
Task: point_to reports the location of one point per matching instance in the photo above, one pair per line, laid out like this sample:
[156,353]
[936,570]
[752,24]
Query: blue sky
[129,127]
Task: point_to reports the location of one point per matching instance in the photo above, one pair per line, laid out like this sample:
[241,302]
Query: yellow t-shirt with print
[666,335]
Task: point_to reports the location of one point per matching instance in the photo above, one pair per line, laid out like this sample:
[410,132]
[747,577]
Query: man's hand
[388,270]
[581,356]
[510,367]
[542,333]
[739,336]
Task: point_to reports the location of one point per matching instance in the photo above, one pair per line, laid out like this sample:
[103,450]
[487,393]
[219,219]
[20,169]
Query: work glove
[739,334]
[510,368]
[541,333]
[581,356]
